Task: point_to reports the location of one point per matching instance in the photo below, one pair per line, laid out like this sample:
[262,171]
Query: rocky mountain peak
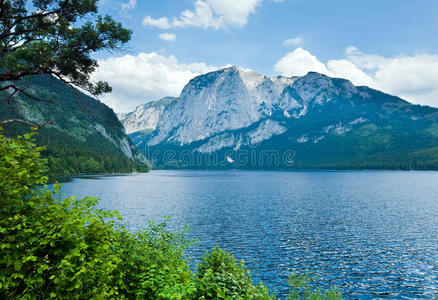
[231,108]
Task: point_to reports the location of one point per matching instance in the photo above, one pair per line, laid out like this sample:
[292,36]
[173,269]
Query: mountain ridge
[230,110]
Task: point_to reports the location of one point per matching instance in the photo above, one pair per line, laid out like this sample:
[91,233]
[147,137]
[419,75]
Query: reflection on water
[373,234]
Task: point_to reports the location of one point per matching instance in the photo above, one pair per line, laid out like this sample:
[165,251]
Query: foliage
[153,264]
[56,37]
[21,167]
[50,248]
[301,289]
[221,277]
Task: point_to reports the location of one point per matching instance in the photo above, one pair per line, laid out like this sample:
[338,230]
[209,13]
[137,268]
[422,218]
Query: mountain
[233,118]
[86,136]
[144,120]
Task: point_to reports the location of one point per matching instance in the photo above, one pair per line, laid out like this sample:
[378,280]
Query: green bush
[50,248]
[152,264]
[219,276]
[301,289]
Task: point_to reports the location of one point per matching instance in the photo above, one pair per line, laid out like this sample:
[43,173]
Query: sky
[390,45]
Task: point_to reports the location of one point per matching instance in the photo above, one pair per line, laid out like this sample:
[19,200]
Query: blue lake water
[373,234]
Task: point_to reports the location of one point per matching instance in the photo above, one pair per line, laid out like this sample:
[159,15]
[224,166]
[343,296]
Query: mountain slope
[144,120]
[240,119]
[86,136]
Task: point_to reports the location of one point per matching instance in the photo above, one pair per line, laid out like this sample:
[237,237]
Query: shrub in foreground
[301,289]
[50,247]
[219,276]
[152,264]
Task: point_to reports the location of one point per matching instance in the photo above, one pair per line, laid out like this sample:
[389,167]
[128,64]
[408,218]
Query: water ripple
[373,234]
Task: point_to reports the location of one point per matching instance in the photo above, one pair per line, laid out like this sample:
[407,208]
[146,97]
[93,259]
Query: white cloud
[293,42]
[344,68]
[162,23]
[127,6]
[217,14]
[414,78]
[130,5]
[145,77]
[167,36]
[298,63]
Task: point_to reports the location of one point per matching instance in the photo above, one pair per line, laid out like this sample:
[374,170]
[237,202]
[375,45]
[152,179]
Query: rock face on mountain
[86,136]
[232,118]
[145,117]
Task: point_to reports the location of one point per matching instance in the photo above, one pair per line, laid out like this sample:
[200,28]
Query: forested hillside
[86,136]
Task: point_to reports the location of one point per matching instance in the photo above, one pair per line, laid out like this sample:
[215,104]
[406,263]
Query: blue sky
[370,42]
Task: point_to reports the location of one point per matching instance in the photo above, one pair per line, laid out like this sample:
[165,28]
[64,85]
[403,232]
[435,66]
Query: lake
[373,234]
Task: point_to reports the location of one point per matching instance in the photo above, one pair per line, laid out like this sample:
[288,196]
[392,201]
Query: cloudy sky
[390,45]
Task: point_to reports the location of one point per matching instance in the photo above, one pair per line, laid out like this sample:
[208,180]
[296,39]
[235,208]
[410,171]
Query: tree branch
[16,46]
[2,8]
[17,89]
[17,76]
[8,31]
[37,71]
[26,122]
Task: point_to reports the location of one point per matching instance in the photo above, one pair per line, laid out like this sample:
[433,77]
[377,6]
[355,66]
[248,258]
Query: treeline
[68,156]
[62,161]
[92,164]
[422,160]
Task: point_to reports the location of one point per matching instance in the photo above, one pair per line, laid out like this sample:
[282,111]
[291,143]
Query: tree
[55,37]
